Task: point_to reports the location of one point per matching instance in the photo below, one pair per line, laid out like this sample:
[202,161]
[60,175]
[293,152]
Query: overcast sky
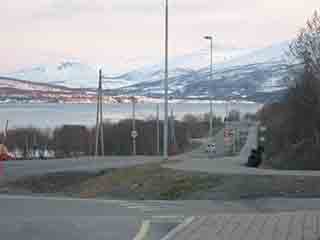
[125,31]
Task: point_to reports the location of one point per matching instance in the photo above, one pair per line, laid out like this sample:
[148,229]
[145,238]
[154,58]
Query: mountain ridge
[243,74]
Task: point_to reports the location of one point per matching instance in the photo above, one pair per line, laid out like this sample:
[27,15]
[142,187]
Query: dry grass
[152,182]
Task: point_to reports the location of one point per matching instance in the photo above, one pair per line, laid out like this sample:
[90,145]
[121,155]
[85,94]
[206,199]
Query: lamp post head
[208,37]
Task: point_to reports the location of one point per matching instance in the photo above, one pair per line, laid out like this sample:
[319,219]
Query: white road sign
[263,128]
[262,139]
[134,134]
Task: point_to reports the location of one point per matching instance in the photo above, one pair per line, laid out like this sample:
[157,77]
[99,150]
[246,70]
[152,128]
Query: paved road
[218,139]
[279,226]
[39,217]
[45,218]
[61,218]
[16,169]
[198,160]
[195,160]
[200,153]
[33,218]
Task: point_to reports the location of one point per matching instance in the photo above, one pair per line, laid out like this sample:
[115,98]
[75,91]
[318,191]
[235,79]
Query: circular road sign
[134,134]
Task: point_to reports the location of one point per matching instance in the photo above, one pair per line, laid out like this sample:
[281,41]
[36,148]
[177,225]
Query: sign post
[134,133]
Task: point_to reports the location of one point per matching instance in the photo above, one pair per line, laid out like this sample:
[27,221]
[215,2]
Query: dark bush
[71,141]
[75,140]
[27,139]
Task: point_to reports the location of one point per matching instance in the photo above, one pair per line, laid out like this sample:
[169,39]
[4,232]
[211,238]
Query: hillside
[252,74]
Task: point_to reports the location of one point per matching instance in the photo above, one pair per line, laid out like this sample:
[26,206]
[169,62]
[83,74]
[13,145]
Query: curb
[178,229]
[145,227]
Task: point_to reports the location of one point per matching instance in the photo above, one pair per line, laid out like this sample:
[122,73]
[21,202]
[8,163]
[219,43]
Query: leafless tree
[306,47]
[234,115]
[303,97]
[71,140]
[294,124]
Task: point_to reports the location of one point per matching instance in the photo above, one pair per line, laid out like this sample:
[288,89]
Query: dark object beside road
[255,158]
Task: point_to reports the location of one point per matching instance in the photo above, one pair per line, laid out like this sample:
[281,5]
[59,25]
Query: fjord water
[53,115]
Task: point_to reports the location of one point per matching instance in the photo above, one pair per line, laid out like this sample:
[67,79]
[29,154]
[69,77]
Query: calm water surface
[52,115]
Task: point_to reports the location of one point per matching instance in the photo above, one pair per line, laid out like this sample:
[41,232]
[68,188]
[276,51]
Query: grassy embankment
[152,182]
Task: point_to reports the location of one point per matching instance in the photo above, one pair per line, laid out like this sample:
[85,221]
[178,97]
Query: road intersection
[32,217]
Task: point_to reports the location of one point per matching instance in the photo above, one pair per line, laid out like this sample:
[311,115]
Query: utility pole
[158,130]
[165,132]
[5,132]
[234,139]
[211,120]
[211,79]
[173,133]
[99,118]
[27,147]
[134,132]
[34,145]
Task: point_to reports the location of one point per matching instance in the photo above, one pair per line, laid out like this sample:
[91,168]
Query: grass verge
[152,182]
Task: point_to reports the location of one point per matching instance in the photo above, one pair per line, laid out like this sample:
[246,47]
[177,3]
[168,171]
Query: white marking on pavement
[143,230]
[178,229]
[168,217]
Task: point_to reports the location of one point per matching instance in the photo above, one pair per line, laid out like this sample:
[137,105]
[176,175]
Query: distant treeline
[76,140]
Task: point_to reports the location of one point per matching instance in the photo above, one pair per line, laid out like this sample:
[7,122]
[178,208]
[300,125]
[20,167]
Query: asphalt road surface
[23,217]
[34,218]
[200,160]
[26,217]
[16,169]
[201,154]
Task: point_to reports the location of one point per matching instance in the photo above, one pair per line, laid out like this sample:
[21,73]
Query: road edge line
[145,227]
[178,229]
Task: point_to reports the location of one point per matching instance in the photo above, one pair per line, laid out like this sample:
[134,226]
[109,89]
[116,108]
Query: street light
[165,125]
[211,72]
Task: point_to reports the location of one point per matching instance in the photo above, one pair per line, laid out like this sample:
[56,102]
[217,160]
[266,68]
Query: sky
[119,33]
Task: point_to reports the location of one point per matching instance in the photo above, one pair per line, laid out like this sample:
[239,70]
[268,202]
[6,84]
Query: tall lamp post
[211,72]
[165,132]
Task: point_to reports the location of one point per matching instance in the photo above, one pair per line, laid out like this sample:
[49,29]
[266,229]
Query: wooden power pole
[158,130]
[99,119]
[173,129]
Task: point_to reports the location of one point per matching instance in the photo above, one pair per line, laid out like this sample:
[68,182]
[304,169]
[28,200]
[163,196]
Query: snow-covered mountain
[249,74]
[21,85]
[69,74]
[241,73]
[74,74]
